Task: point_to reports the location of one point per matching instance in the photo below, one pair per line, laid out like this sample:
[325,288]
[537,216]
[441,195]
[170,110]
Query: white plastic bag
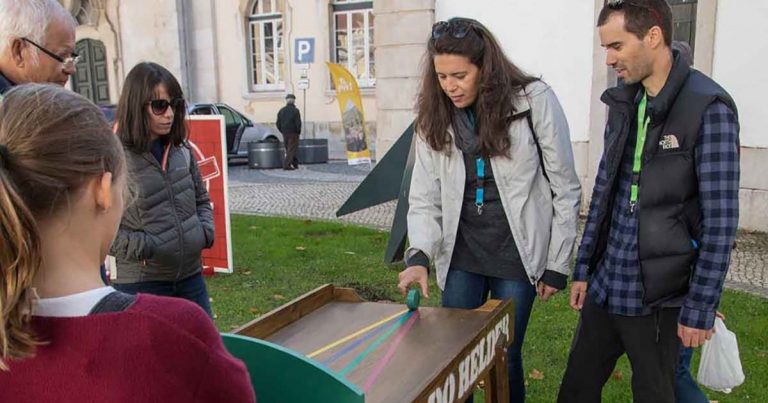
[720,366]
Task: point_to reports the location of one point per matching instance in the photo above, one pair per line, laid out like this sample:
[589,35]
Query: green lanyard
[642,129]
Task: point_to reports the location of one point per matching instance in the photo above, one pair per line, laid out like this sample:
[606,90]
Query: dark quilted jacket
[170,222]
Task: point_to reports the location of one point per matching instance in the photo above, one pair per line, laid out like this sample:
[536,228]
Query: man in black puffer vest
[663,215]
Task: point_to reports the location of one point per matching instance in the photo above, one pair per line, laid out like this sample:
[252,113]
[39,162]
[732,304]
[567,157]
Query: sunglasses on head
[457,28]
[160,106]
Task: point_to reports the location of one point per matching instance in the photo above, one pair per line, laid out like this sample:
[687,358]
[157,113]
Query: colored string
[390,353]
[351,346]
[353,335]
[375,344]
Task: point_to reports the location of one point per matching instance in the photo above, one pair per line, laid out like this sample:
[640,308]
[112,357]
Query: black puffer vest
[669,215]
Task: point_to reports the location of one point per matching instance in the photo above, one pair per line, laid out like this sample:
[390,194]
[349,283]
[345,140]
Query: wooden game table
[330,345]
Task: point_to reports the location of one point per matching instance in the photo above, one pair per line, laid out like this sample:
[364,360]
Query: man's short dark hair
[290,96]
[640,16]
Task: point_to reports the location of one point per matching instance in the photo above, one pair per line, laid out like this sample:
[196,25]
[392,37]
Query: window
[353,48]
[86,14]
[684,21]
[230,117]
[266,61]
[202,110]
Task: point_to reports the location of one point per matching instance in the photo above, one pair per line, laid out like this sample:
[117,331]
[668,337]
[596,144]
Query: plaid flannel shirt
[617,282]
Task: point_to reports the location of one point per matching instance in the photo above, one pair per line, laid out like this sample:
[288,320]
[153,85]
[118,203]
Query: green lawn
[278,259]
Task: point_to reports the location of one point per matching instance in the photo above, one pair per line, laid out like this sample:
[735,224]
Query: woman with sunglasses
[494,195]
[162,234]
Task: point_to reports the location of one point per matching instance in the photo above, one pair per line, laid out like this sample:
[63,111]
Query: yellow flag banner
[352,116]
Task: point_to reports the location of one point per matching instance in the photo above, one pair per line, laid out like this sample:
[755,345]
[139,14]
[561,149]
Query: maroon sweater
[158,350]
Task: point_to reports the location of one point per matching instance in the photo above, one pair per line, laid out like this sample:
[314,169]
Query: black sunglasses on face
[68,61]
[458,28]
[160,106]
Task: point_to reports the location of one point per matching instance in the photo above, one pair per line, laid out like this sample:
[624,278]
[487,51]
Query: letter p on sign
[304,50]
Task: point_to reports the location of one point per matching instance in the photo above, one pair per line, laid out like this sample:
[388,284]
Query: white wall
[552,39]
[230,48]
[201,51]
[150,33]
[740,57]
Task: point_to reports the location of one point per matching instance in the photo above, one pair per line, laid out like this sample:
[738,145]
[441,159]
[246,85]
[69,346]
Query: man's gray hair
[28,19]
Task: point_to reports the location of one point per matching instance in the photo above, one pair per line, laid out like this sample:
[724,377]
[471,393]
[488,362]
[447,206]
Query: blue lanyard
[479,190]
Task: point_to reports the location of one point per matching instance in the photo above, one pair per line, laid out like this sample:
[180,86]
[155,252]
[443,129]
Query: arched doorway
[91,79]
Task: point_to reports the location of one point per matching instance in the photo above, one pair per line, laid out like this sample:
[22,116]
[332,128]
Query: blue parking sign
[304,50]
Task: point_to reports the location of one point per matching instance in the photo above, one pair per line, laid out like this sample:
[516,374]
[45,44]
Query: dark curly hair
[500,83]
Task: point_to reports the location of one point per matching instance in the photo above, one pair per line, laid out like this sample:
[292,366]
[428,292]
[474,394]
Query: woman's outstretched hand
[411,275]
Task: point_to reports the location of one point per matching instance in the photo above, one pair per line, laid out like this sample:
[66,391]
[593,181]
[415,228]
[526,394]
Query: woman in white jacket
[494,195]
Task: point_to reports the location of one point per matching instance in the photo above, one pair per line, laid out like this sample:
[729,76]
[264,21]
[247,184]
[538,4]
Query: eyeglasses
[160,106]
[70,61]
[619,4]
[458,28]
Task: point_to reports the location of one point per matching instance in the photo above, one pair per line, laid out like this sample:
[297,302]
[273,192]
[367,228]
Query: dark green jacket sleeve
[131,245]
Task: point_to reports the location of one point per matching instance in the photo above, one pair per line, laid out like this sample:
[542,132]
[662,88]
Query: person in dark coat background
[289,124]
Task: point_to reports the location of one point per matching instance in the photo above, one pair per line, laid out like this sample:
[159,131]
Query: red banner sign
[207,139]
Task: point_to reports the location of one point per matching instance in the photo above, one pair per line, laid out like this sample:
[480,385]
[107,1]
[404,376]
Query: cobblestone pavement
[312,191]
[317,191]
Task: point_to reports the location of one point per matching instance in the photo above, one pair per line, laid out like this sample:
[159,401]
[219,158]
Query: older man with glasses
[37,42]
